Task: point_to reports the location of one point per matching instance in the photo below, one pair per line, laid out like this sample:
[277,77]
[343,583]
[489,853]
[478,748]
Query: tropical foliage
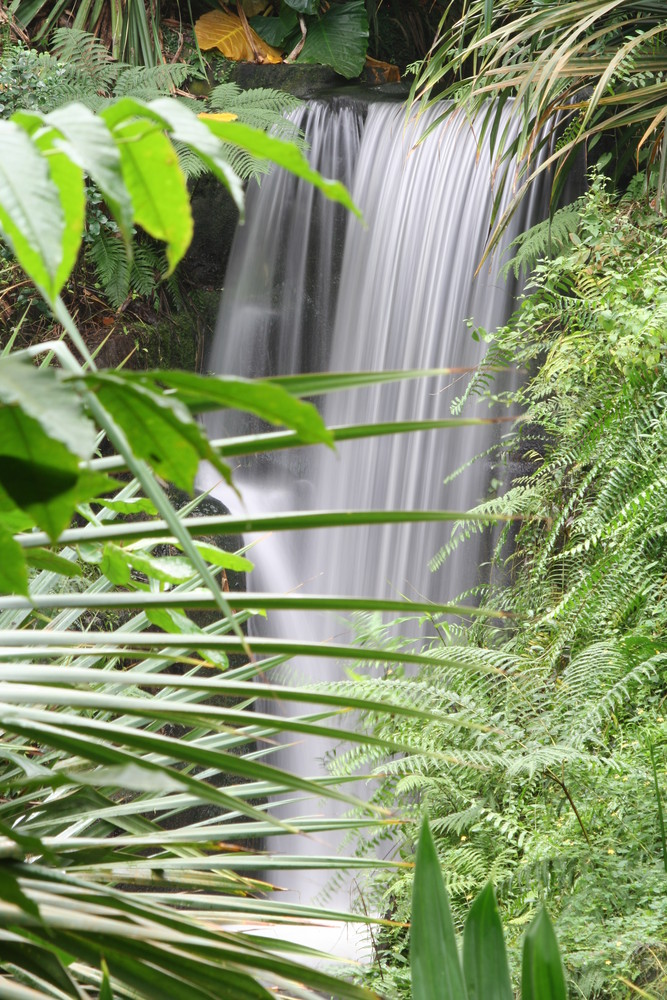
[548,776]
[131,28]
[436,970]
[333,34]
[78,67]
[597,68]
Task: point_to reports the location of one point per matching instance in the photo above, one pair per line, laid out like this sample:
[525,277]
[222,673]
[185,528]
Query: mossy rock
[303,81]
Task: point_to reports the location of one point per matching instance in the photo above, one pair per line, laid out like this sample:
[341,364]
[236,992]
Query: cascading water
[309,288]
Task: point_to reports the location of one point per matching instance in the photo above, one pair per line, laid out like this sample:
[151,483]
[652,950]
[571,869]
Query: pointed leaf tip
[542,975]
[485,965]
[434,959]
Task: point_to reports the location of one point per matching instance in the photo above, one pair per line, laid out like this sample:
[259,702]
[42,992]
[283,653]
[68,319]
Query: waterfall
[309,288]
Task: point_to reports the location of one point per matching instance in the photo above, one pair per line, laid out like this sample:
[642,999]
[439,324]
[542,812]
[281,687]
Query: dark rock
[303,81]
[215,217]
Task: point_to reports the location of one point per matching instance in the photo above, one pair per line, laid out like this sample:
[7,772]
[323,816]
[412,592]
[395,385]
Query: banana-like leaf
[434,958]
[542,976]
[485,967]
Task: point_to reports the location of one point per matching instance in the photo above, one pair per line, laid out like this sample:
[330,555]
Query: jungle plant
[131,30]
[437,970]
[305,31]
[597,68]
[80,68]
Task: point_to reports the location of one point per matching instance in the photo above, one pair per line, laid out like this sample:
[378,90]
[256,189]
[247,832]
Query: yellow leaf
[217,30]
[218,116]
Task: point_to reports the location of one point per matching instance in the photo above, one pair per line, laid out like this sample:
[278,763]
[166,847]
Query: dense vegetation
[135,783]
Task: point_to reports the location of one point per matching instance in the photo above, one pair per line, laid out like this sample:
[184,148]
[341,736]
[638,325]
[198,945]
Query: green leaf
[68,179]
[159,428]
[41,394]
[339,38]
[156,185]
[36,961]
[31,216]
[176,623]
[274,30]
[488,16]
[13,572]
[112,562]
[283,154]
[264,399]
[227,560]
[165,569]
[40,475]
[105,989]
[434,958]
[11,892]
[90,144]
[485,966]
[542,976]
[44,559]
[188,129]
[138,505]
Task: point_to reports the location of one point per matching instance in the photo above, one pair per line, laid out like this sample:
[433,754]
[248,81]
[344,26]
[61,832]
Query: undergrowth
[79,68]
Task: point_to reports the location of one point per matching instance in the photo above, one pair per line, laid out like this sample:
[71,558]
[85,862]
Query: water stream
[310,288]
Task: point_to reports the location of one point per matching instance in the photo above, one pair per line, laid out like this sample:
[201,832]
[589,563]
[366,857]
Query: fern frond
[546,239]
[108,255]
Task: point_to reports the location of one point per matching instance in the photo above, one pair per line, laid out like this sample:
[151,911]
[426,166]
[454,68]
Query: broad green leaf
[175,622]
[485,967]
[542,975]
[275,30]
[40,475]
[138,505]
[13,572]
[227,560]
[283,154]
[11,892]
[127,109]
[44,559]
[157,186]
[188,129]
[41,394]
[90,144]
[338,38]
[31,216]
[434,958]
[12,518]
[112,562]
[165,569]
[262,398]
[68,179]
[159,428]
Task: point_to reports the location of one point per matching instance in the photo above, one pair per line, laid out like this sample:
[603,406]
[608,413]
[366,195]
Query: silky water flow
[310,288]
